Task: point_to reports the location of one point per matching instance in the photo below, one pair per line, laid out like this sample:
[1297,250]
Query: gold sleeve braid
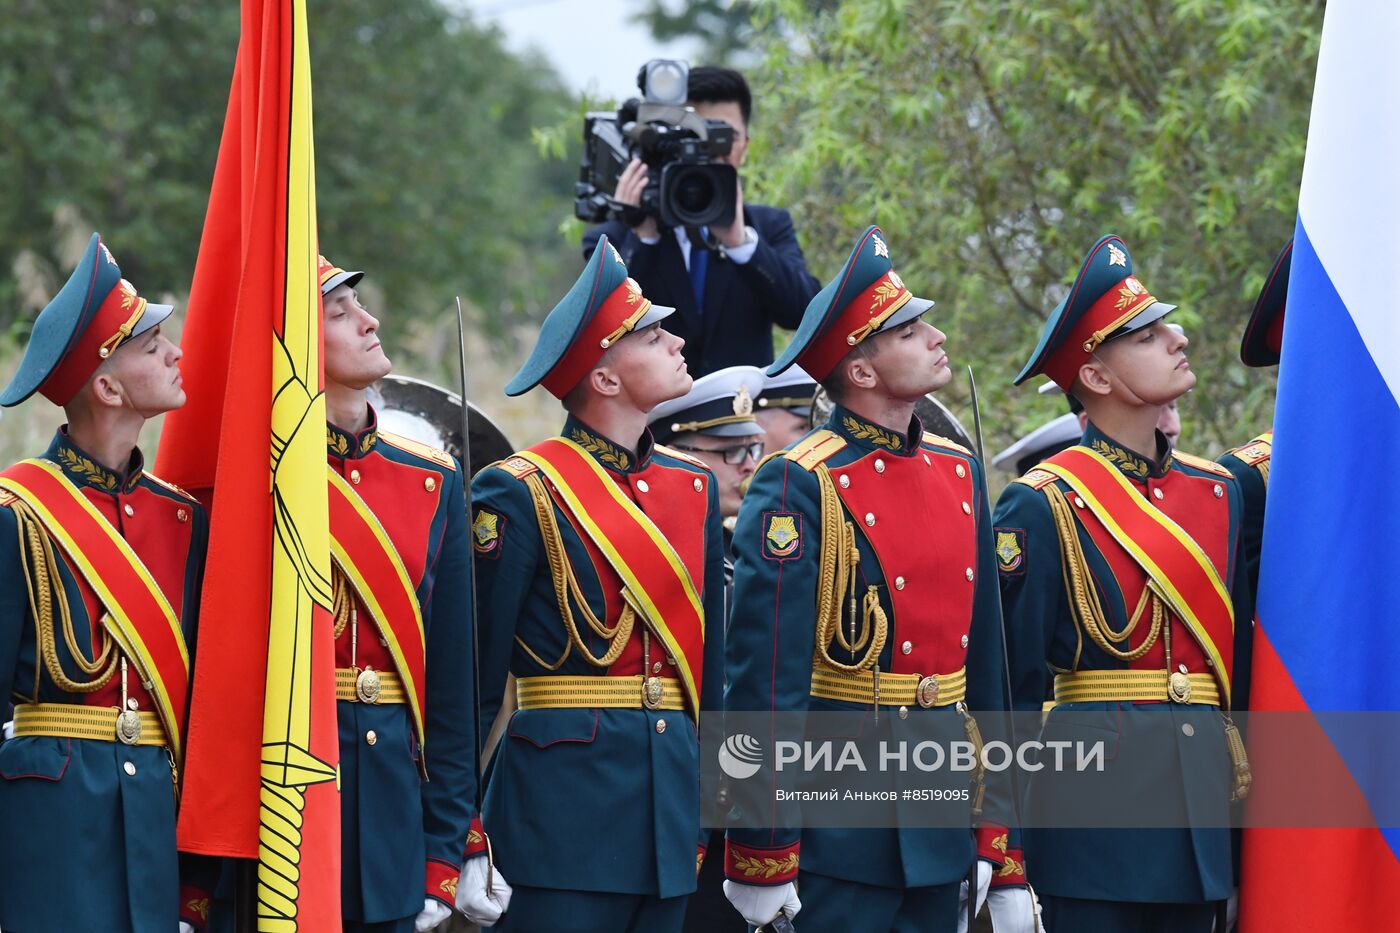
[566,585]
[838,559]
[1084,601]
[342,599]
[39,567]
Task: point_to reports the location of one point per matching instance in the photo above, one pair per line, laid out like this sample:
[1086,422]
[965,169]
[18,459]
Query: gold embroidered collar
[868,434]
[1132,464]
[84,470]
[605,451]
[347,446]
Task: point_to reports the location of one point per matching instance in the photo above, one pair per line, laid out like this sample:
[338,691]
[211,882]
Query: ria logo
[740,756]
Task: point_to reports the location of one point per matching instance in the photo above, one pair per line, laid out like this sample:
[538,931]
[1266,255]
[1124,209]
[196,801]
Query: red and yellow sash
[1178,570]
[138,616]
[655,583]
[363,550]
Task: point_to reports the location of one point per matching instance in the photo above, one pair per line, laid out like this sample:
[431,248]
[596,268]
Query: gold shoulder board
[426,451]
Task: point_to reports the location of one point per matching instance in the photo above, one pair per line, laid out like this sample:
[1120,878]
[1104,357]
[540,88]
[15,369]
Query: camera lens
[694,193]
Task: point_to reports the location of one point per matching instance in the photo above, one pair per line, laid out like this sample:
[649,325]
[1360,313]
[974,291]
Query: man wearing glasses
[714,422]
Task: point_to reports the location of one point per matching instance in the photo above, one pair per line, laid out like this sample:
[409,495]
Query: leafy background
[994,141]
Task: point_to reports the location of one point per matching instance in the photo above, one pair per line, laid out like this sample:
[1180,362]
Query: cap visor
[913,308]
[153,315]
[343,278]
[741,429]
[1149,315]
[654,314]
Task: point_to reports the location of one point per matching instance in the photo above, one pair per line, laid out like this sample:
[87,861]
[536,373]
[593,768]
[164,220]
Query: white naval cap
[720,404]
[1049,438]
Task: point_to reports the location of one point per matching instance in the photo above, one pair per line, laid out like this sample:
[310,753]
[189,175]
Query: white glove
[434,912]
[481,906]
[1232,910]
[984,878]
[9,733]
[1014,909]
[761,903]
[184,927]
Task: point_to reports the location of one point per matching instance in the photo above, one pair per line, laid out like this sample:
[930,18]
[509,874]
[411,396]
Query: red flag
[261,761]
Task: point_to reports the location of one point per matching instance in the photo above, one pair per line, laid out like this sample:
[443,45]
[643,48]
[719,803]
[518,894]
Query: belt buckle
[928,691]
[367,686]
[1179,687]
[128,727]
[652,692]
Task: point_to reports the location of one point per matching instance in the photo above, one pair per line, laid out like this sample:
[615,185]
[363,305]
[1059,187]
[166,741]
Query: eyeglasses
[732,455]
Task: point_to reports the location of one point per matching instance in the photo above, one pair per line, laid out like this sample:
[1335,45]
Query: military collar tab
[84,470]
[872,436]
[349,445]
[609,454]
[1129,462]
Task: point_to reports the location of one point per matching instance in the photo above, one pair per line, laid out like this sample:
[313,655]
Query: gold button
[904,712]
[961,471]
[870,518]
[1187,729]
[130,769]
[907,647]
[1079,502]
[1219,491]
[879,465]
[899,583]
[927,460]
[963,641]
[355,477]
[182,515]
[660,726]
[642,486]
[699,486]
[1182,668]
[1157,494]
[969,573]
[1210,662]
[370,737]
[656,667]
[845,481]
[131,703]
[430,484]
[128,509]
[967,509]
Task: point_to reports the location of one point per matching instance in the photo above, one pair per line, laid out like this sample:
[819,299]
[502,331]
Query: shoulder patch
[1253,453]
[171,486]
[488,529]
[1201,463]
[938,440]
[518,467]
[782,535]
[815,448]
[1037,478]
[1011,551]
[682,456]
[426,451]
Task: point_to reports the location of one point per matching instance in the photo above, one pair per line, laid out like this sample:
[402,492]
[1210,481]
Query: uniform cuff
[442,881]
[476,840]
[1012,872]
[194,906]
[992,843]
[753,865]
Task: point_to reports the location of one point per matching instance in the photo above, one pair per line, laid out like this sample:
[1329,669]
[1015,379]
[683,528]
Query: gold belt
[99,723]
[1128,686]
[895,689]
[368,686]
[590,692]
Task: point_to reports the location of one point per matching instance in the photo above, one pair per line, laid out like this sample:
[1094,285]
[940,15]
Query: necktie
[699,265]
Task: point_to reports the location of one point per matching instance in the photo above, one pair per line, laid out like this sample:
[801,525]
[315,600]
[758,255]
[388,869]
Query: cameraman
[727,298]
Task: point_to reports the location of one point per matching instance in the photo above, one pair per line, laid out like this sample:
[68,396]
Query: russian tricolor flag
[1328,636]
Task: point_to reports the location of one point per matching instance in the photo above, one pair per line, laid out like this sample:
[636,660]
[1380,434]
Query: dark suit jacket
[742,302]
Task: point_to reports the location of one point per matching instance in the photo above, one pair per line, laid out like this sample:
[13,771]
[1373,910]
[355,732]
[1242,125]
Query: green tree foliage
[995,141]
[723,27]
[111,112]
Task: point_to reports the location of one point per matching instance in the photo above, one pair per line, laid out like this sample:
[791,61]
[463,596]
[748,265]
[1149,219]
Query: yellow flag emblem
[486,530]
[1009,554]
